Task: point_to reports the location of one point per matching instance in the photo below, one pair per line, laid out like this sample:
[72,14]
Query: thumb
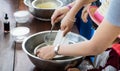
[63,29]
[84,18]
[66,30]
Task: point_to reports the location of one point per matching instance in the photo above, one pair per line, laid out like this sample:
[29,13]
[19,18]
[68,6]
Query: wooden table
[12,57]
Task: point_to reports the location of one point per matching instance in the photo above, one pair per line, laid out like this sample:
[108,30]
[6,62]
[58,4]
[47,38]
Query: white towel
[59,39]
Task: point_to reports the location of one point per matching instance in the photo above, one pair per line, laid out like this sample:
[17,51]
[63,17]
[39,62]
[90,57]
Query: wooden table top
[12,57]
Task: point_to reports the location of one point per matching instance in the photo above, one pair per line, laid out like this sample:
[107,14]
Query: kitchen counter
[12,57]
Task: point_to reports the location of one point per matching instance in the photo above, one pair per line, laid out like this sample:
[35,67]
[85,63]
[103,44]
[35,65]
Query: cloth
[109,60]
[116,47]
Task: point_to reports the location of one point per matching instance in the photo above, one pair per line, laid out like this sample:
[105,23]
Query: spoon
[48,37]
[51,29]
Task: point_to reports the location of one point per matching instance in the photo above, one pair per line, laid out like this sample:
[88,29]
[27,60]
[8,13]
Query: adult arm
[103,37]
[105,34]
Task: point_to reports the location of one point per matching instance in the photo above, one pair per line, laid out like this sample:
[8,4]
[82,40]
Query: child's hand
[59,14]
[85,2]
[84,14]
[73,69]
[67,24]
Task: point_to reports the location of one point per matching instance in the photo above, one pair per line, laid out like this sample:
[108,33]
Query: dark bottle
[6,24]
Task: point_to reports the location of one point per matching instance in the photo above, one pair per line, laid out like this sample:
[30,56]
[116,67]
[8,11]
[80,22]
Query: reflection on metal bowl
[41,13]
[57,64]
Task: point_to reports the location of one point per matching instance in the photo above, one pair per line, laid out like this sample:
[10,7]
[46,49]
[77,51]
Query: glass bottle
[6,24]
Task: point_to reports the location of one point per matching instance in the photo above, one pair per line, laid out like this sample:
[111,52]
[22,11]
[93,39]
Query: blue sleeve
[113,13]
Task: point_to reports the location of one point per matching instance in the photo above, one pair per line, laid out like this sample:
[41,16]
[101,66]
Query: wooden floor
[12,57]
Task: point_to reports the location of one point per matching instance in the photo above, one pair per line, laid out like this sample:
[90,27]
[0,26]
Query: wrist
[71,16]
[69,7]
[72,19]
[56,49]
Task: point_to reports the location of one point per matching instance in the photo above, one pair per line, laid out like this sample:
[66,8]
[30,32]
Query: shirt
[113,13]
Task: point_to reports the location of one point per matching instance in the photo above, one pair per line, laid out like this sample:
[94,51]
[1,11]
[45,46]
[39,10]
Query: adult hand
[46,52]
[59,14]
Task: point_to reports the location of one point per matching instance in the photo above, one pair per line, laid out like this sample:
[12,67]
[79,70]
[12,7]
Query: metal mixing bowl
[41,13]
[57,64]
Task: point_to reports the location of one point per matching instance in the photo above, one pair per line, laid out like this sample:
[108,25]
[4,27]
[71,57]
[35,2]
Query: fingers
[59,14]
[73,69]
[46,52]
[84,14]
[65,29]
[43,56]
[92,0]
[86,2]
[38,54]
[66,25]
[84,17]
[56,16]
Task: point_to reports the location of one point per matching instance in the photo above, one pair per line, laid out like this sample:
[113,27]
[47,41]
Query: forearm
[78,49]
[76,6]
[74,10]
[81,49]
[72,4]
[102,39]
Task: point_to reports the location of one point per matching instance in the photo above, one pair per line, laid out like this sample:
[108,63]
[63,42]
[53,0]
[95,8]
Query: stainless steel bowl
[41,13]
[66,2]
[57,64]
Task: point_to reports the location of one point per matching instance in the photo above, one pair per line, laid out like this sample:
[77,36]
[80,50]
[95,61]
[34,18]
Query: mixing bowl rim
[61,4]
[24,49]
[25,2]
